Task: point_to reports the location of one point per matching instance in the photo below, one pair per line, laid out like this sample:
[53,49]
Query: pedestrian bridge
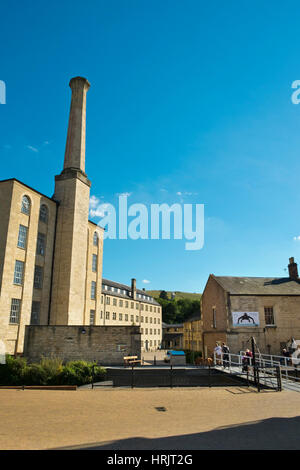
[266,371]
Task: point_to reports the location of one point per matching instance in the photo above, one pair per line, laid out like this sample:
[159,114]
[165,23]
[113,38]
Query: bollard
[132,376]
[279,379]
[209,376]
[93,375]
[257,378]
[154,362]
[171,375]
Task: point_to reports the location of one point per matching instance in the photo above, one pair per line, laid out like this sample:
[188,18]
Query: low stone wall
[105,344]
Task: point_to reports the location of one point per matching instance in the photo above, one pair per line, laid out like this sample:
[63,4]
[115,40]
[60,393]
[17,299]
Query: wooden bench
[129,360]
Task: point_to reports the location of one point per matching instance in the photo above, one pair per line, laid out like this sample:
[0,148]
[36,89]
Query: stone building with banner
[236,308]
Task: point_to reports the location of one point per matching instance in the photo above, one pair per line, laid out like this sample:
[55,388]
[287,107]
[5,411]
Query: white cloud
[99,212]
[297,238]
[33,149]
[179,193]
[97,208]
[94,202]
[7,147]
[145,281]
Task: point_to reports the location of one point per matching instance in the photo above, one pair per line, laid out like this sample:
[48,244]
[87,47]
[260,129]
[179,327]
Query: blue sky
[186,97]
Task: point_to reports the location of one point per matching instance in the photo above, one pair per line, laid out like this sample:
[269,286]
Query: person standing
[218,352]
[225,351]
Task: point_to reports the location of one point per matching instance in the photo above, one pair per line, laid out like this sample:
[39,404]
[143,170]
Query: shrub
[50,371]
[13,371]
[191,356]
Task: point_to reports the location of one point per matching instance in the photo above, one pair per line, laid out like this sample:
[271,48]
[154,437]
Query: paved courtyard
[185,418]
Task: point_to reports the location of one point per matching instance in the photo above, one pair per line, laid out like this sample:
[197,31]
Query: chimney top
[75,145]
[293,269]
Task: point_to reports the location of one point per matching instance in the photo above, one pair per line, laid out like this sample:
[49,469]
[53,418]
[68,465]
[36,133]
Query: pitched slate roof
[259,285]
[117,285]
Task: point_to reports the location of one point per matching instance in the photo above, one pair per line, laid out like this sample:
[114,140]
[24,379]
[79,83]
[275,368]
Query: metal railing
[265,371]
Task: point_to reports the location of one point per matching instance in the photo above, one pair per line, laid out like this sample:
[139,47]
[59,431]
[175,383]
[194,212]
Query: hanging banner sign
[245,318]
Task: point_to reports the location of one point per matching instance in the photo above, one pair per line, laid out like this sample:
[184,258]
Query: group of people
[222,354]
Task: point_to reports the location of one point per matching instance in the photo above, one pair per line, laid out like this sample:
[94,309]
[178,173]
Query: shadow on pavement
[268,434]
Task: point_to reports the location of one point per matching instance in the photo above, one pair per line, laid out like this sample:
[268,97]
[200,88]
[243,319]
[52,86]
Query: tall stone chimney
[133,288]
[72,192]
[75,146]
[293,269]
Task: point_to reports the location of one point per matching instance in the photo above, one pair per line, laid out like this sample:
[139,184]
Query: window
[41,242]
[150,308]
[101,314]
[137,306]
[142,319]
[95,239]
[154,320]
[120,316]
[142,331]
[18,275]
[126,317]
[132,304]
[107,315]
[158,332]
[150,319]
[158,320]
[102,299]
[269,316]
[150,331]
[142,307]
[94,263]
[132,318]
[146,331]
[146,308]
[146,319]
[92,317]
[137,318]
[155,331]
[126,303]
[35,313]
[114,301]
[114,316]
[108,300]
[15,311]
[214,318]
[38,277]
[93,290]
[120,303]
[44,214]
[154,309]
[22,237]
[25,208]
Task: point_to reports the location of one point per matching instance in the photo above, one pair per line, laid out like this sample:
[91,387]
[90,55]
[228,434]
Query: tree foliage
[178,311]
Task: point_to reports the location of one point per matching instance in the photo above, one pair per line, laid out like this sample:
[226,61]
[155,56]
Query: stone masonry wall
[105,344]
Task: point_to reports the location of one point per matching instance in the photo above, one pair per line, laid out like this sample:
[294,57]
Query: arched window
[25,205]
[96,239]
[44,213]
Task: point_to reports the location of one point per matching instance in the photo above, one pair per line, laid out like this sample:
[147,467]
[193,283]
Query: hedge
[49,371]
